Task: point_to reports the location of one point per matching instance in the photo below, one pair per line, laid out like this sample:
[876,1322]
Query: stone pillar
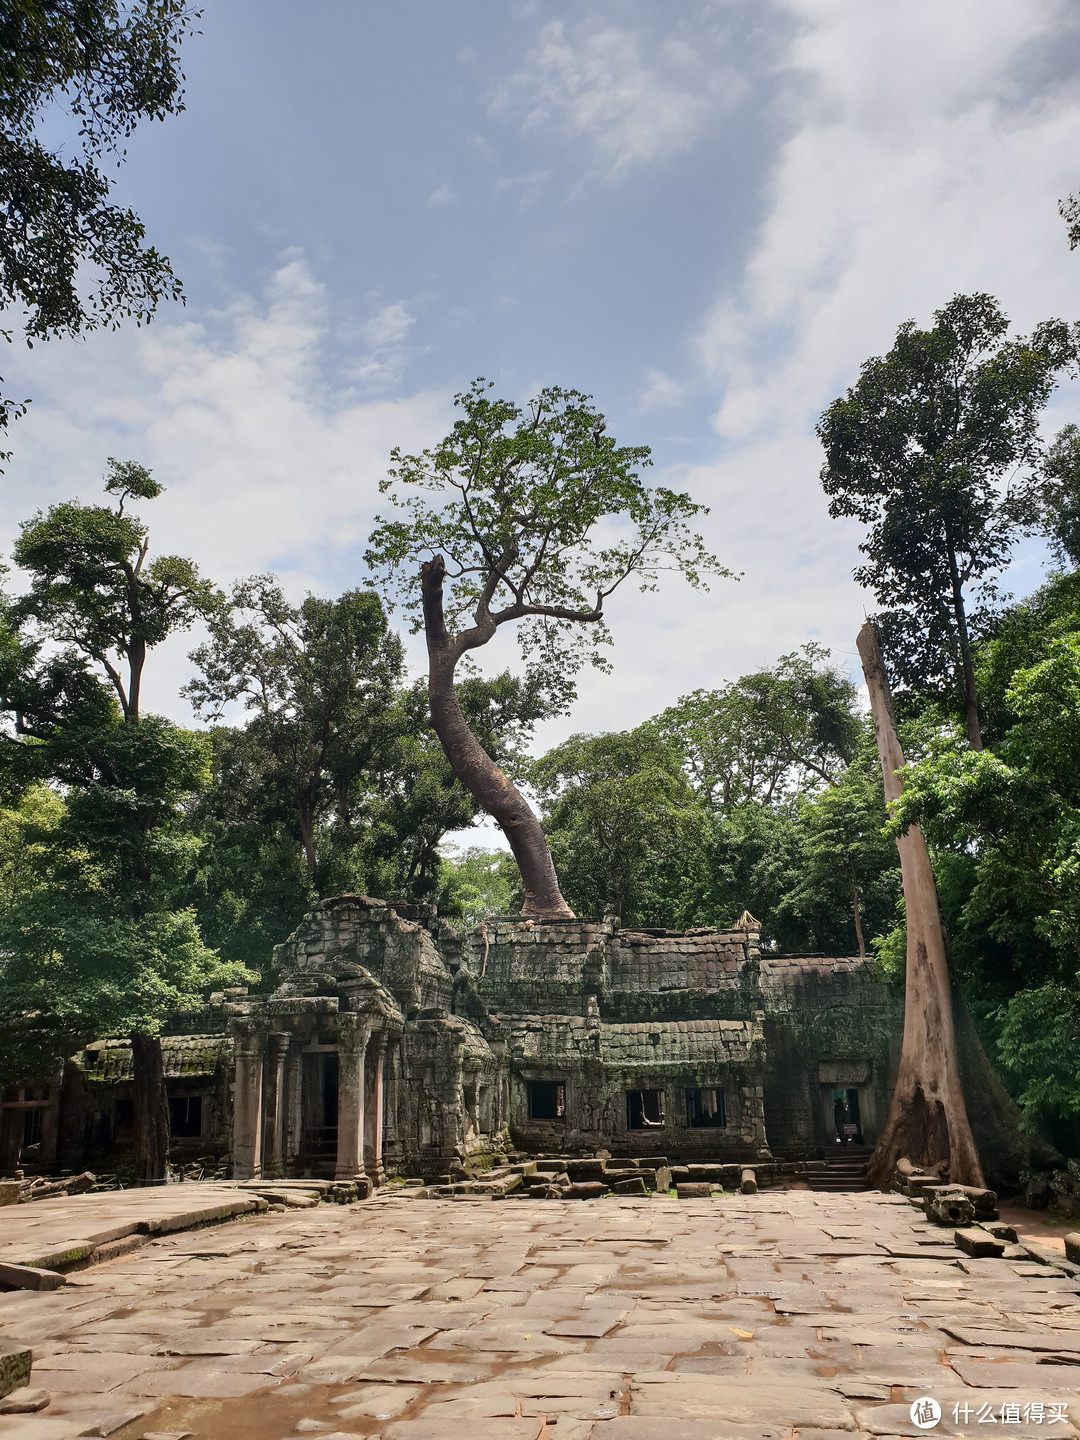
[374,1106]
[293,1104]
[274,1108]
[352,1044]
[247,1101]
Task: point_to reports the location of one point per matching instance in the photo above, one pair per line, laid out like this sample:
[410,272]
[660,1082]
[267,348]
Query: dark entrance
[846,1120]
[319,1112]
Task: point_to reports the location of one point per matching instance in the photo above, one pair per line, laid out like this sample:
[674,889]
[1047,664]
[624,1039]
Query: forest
[143,863]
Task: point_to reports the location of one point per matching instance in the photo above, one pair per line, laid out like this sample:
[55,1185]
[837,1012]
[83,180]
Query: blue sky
[704,214]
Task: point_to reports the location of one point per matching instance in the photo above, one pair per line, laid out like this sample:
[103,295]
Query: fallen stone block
[663,1179]
[584,1170]
[15,1361]
[9,1192]
[978,1243]
[1072,1247]
[748,1183]
[28,1277]
[948,1205]
[634,1185]
[693,1190]
[1001,1231]
[586,1190]
[27,1400]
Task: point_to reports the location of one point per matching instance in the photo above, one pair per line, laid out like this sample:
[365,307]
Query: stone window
[705,1108]
[644,1109]
[547,1099]
[185,1116]
[31,1127]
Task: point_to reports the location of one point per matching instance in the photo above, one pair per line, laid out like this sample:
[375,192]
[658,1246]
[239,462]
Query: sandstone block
[693,1190]
[28,1277]
[978,1242]
[1072,1247]
[24,1401]
[586,1190]
[15,1360]
[585,1170]
[748,1184]
[634,1185]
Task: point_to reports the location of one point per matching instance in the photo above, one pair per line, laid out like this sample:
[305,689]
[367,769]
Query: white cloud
[385,336]
[660,392]
[263,470]
[444,195]
[636,101]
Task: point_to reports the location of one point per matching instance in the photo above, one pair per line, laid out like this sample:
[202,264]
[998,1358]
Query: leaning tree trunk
[927,1118]
[476,770]
[151,1109]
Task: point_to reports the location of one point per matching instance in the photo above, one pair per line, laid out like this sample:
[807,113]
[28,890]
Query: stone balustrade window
[547,1099]
[644,1109]
[705,1108]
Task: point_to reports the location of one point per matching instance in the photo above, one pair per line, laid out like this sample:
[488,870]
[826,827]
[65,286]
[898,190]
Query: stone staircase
[844,1172]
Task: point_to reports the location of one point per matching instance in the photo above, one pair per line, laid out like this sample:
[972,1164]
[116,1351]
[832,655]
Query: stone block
[693,1190]
[748,1184]
[948,1205]
[15,1360]
[1072,1247]
[634,1185]
[584,1170]
[27,1400]
[9,1192]
[586,1190]
[663,1179]
[977,1243]
[28,1277]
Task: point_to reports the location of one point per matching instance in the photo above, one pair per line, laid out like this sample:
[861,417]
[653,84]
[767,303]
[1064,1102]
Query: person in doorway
[840,1117]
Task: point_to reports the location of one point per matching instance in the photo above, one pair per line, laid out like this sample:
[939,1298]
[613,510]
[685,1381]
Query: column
[375,1100]
[352,1043]
[277,1050]
[247,1102]
[293,1104]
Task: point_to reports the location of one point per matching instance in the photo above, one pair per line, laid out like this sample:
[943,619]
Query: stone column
[352,1044]
[375,1102]
[277,1050]
[293,1103]
[248,1041]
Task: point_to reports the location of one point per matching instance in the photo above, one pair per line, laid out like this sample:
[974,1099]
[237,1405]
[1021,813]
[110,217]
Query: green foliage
[923,450]
[476,883]
[620,816]
[1061,494]
[539,516]
[1040,1044]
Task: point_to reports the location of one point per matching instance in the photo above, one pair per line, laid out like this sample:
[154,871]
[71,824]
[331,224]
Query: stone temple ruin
[395,1046]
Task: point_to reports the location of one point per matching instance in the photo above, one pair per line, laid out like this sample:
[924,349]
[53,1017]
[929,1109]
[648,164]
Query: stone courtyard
[782,1314]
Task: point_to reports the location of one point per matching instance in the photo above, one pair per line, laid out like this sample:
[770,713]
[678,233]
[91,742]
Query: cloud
[660,392]
[385,336]
[921,161]
[444,195]
[263,468]
[594,80]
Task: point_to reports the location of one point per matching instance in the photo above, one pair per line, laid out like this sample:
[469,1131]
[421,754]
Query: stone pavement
[782,1314]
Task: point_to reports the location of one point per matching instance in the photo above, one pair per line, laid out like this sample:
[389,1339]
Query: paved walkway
[776,1315]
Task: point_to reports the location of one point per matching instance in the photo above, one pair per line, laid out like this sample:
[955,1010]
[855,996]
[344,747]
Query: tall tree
[69,258]
[1060,494]
[922,450]
[540,518]
[96,593]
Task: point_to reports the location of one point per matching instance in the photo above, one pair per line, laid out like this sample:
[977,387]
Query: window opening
[705,1108]
[644,1109]
[547,1099]
[846,1116]
[185,1116]
[31,1127]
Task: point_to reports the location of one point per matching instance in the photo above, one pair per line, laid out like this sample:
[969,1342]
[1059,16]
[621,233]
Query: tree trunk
[151,1109]
[927,1118]
[968,696]
[859,941]
[476,770]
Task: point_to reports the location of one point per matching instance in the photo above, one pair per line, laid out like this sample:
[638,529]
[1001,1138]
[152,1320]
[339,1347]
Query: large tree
[538,518]
[76,77]
[74,654]
[925,449]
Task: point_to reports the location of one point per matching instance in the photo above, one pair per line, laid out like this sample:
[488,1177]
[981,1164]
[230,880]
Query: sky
[705,215]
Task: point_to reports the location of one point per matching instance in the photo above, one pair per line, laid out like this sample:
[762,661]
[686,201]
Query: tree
[617,809]
[95,593]
[1069,210]
[70,259]
[320,680]
[1061,494]
[921,449]
[927,1120]
[540,518]
[770,736]
[476,883]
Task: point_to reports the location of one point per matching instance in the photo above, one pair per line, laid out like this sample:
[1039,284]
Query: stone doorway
[319,1112]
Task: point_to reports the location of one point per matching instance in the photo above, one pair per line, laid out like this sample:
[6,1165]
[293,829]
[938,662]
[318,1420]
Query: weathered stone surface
[15,1359]
[586,1190]
[28,1277]
[693,1190]
[1072,1247]
[748,1184]
[26,1400]
[978,1243]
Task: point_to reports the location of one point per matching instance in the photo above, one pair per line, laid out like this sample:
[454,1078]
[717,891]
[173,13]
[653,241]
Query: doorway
[318,1138]
[847,1125]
